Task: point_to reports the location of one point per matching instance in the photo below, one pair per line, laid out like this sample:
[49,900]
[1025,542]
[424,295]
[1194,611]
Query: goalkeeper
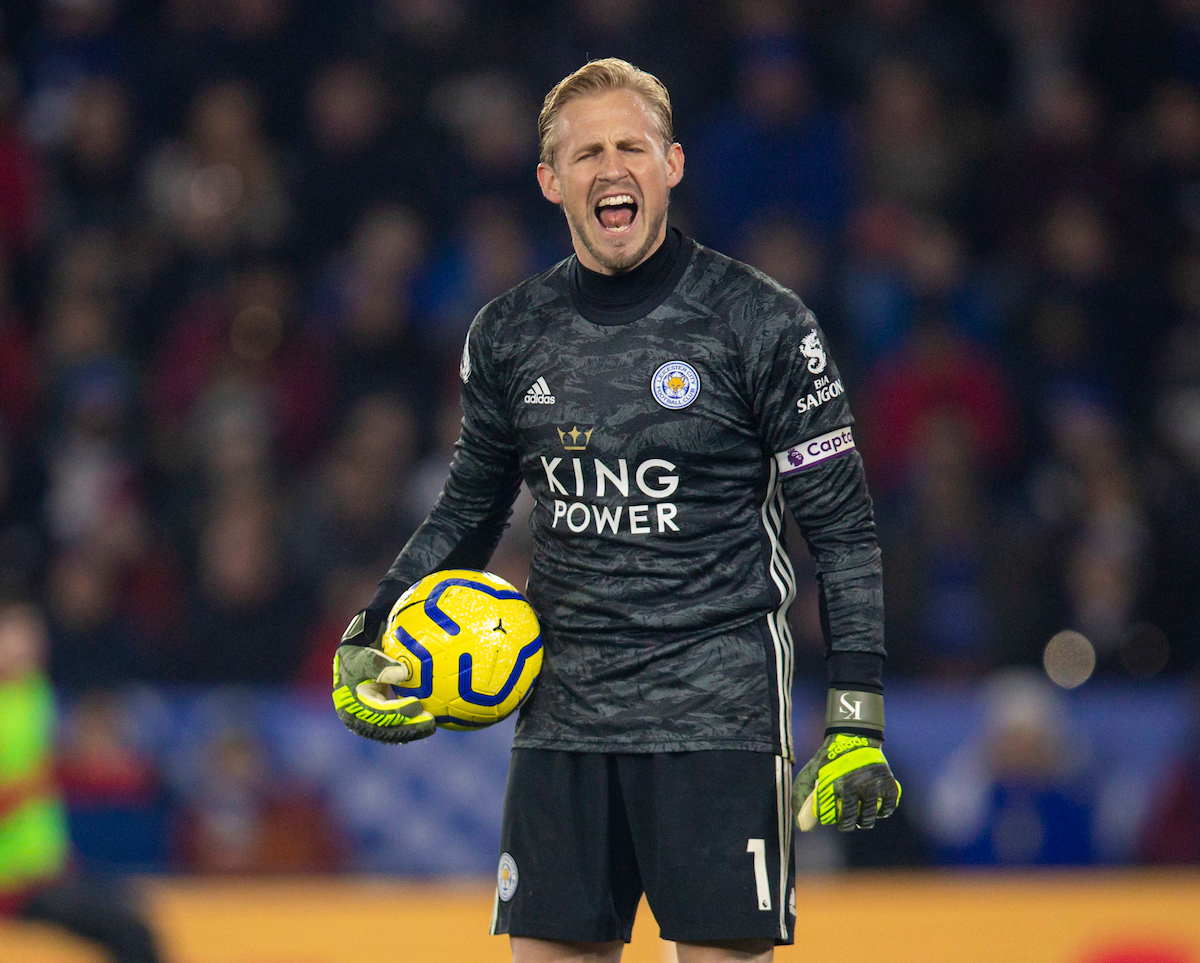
[663,403]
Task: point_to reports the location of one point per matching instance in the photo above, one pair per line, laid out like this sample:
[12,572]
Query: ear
[548,181]
[674,165]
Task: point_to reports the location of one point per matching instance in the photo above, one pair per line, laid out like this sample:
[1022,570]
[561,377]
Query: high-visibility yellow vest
[33,829]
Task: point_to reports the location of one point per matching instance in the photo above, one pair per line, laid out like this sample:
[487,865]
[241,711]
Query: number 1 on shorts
[759,848]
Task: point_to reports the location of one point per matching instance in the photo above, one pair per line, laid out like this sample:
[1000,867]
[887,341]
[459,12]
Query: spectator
[1077,323]
[1173,477]
[1045,40]
[21,177]
[958,44]
[431,472]
[22,537]
[93,470]
[489,253]
[1016,797]
[781,248]
[912,156]
[936,372]
[35,882]
[495,147]
[1085,497]
[95,174]
[247,612]
[365,305]
[775,149]
[354,154]
[968,586]
[357,509]
[221,188]
[343,588]
[1058,153]
[247,336]
[19,376]
[1169,167]
[91,265]
[1171,832]
[111,788]
[92,643]
[903,270]
[239,819]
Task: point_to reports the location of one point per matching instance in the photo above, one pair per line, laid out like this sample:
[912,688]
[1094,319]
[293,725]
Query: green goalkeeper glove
[848,782]
[362,694]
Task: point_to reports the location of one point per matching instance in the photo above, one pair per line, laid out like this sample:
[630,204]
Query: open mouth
[616,213]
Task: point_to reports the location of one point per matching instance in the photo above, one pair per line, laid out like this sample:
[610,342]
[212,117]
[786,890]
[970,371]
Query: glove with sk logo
[848,783]
[362,679]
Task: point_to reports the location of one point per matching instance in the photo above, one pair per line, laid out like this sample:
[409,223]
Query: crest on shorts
[506,877]
[675,385]
[811,348]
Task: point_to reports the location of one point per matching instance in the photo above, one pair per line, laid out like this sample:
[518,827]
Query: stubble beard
[621,263]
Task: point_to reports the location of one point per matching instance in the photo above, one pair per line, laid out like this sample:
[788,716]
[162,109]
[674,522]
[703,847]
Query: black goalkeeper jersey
[661,449]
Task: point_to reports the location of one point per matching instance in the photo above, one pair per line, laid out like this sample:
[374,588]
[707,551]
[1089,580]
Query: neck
[621,298]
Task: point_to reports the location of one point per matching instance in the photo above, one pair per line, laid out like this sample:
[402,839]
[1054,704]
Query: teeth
[615,200]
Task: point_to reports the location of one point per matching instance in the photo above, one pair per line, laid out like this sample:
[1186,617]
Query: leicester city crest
[506,877]
[675,385]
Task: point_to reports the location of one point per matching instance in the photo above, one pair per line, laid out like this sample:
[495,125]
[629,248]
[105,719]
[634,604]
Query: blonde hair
[600,77]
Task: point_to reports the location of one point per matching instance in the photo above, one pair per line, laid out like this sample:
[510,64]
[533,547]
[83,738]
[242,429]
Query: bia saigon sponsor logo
[814,451]
[822,392]
[675,385]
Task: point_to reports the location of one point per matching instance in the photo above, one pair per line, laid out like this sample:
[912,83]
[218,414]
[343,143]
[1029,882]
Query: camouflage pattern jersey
[661,452]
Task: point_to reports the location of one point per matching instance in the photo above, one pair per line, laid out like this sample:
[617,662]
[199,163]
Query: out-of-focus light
[256,333]
[1145,651]
[213,191]
[1069,659]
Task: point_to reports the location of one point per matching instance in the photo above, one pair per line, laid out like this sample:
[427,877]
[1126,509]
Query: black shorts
[706,835]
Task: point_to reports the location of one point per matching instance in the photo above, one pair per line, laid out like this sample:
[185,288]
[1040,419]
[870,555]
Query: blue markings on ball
[481,698]
[423,656]
[465,690]
[441,619]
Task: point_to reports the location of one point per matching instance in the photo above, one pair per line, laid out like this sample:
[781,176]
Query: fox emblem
[811,348]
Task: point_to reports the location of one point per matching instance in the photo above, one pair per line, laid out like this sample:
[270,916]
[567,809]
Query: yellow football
[472,644]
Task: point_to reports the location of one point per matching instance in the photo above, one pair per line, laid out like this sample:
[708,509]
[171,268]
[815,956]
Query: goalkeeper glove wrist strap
[855,712]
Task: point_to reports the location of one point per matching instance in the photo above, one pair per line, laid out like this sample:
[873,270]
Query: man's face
[612,175]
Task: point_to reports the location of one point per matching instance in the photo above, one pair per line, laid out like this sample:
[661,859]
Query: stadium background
[240,242]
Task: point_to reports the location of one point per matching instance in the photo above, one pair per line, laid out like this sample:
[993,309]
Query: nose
[613,168]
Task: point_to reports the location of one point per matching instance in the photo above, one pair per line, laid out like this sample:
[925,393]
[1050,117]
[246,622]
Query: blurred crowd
[241,242]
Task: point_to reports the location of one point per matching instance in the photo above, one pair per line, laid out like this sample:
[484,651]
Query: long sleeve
[807,427]
[465,525]
[831,504]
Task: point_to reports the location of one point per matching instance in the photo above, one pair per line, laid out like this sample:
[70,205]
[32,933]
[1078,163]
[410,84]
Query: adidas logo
[539,394]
